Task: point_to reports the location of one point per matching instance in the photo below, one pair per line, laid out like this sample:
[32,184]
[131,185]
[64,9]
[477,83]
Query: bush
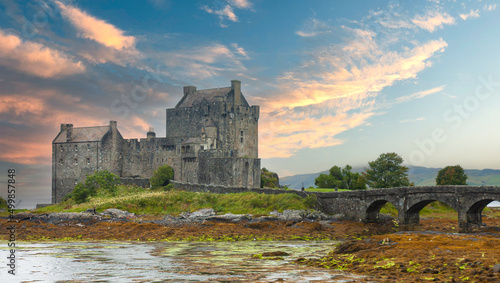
[3,203]
[101,182]
[161,177]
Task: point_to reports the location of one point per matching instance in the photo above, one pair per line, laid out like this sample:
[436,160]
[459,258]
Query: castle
[211,138]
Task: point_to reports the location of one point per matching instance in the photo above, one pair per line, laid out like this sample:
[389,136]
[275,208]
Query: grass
[145,201]
[325,190]
[435,209]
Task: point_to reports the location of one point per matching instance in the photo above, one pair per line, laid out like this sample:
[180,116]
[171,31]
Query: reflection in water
[165,262]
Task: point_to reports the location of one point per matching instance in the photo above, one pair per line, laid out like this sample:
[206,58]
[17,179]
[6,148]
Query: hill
[421,176]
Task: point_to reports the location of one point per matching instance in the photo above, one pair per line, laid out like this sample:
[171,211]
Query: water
[165,262]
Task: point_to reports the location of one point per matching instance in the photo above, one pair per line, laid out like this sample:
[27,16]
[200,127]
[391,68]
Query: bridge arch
[373,210]
[412,214]
[474,212]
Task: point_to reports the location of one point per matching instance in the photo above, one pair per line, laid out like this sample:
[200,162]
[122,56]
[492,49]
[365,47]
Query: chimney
[68,128]
[236,87]
[113,125]
[151,134]
[189,90]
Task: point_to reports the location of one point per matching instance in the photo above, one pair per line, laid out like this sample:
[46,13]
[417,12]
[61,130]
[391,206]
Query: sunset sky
[338,82]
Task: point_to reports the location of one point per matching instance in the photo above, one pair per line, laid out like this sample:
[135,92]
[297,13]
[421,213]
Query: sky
[338,82]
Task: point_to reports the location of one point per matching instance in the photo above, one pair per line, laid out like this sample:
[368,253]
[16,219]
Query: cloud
[225,10]
[241,4]
[336,90]
[471,14]
[203,61]
[490,7]
[420,94]
[96,29]
[35,58]
[240,50]
[433,20]
[314,27]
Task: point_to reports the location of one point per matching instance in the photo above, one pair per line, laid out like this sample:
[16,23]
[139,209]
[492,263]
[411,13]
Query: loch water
[183,261]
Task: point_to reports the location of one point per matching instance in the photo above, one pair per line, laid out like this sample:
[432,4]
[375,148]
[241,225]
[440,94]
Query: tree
[101,182]
[387,172]
[451,175]
[269,179]
[161,177]
[341,178]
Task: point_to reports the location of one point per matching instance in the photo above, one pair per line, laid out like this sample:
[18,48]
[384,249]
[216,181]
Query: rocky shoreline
[197,217]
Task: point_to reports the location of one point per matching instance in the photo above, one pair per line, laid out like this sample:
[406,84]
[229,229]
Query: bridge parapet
[468,201]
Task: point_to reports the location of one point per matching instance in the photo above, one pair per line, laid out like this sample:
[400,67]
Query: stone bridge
[468,202]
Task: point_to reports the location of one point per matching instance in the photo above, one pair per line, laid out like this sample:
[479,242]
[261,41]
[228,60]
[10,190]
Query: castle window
[202,147]
[76,161]
[60,161]
[88,146]
[76,181]
[88,161]
[76,147]
[241,136]
[61,148]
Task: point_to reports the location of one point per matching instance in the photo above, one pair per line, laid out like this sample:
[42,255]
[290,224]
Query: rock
[290,214]
[277,253]
[70,215]
[206,212]
[229,217]
[496,269]
[117,213]
[275,213]
[90,210]
[316,215]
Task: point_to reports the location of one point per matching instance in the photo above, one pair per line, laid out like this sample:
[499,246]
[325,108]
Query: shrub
[101,182]
[3,203]
[161,177]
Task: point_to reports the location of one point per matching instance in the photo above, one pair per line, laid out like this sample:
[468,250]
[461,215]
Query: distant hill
[421,176]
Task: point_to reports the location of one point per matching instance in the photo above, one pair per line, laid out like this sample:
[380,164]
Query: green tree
[269,179]
[341,178]
[161,177]
[352,181]
[451,175]
[101,182]
[326,181]
[387,172]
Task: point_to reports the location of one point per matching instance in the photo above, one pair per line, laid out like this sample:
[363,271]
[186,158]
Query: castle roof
[83,134]
[209,95]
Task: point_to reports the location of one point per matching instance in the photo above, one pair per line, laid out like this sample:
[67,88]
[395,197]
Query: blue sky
[338,82]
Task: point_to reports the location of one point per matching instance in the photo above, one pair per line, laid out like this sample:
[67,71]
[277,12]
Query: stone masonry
[211,138]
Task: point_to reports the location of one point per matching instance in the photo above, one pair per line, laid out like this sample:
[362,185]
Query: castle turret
[151,134]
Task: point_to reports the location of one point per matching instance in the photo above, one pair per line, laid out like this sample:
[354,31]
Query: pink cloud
[96,29]
[36,59]
[433,20]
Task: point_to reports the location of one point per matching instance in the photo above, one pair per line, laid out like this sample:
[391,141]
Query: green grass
[325,190]
[434,209]
[144,201]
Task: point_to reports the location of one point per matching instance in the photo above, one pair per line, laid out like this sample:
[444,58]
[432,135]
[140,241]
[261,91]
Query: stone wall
[139,182]
[232,190]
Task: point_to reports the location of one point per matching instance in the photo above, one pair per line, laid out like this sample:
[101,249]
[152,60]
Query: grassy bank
[145,201]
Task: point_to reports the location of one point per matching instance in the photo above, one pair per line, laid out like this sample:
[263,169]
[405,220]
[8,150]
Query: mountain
[421,176]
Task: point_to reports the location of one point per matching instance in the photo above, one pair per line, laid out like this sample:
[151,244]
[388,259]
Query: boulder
[291,214]
[496,269]
[117,213]
[205,212]
[229,217]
